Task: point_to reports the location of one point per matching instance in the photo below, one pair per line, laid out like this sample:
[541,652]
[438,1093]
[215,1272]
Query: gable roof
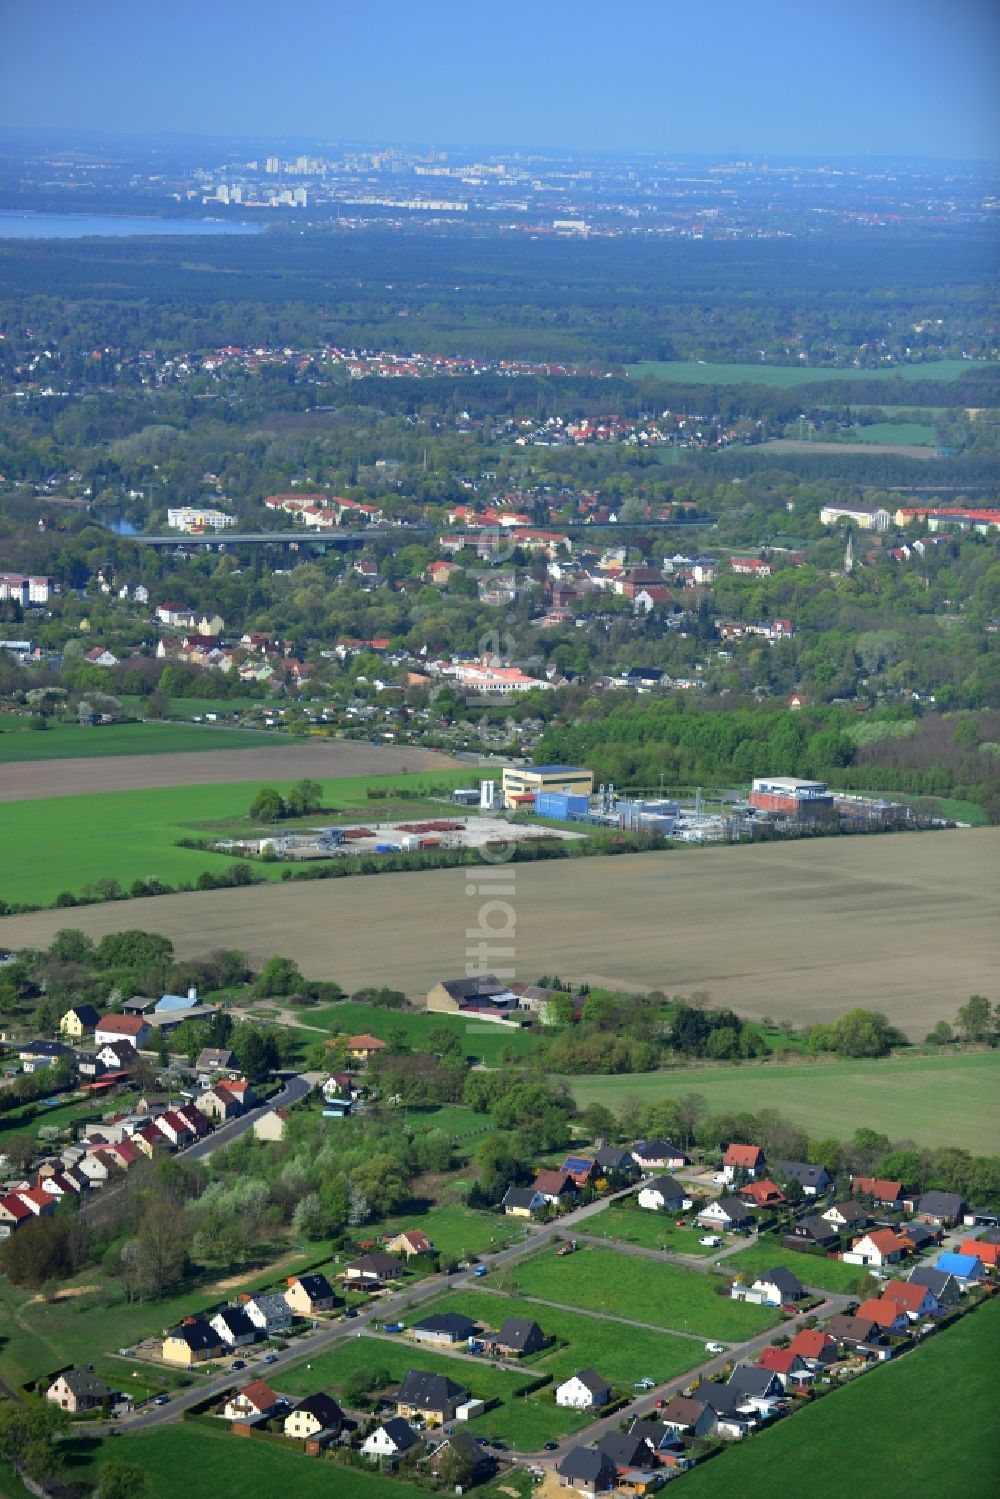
[735,1210]
[786,1280]
[811,1343]
[122,1025]
[85,1383]
[935,1281]
[669,1189]
[683,1410]
[452,1323]
[400,1432]
[879,1187]
[587,1465]
[748,1157]
[945,1204]
[852,1329]
[316,1287]
[593,1381]
[426,1391]
[520,1197]
[553,1183]
[908,1294]
[196,1333]
[260,1395]
[779,1360]
[882,1313]
[962,1266]
[236,1319]
[748,1379]
[323,1407]
[515,1332]
[803,1172]
[624,1449]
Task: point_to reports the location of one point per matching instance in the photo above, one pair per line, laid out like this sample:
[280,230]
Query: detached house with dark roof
[943,1208]
[812,1179]
[584,1390]
[309,1294]
[588,1470]
[435,1397]
[78,1390]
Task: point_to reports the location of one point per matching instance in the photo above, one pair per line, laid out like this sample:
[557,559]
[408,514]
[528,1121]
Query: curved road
[295,1087]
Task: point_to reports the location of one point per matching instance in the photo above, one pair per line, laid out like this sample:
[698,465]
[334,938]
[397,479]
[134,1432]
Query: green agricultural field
[785,376]
[590,1341]
[68,842]
[812,1270]
[920,1424]
[482,1039]
[635,1225]
[642,1290]
[889,434]
[905,1097]
[70,741]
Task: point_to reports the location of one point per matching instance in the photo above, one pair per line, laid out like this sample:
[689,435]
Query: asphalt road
[294,1089]
[390,1308]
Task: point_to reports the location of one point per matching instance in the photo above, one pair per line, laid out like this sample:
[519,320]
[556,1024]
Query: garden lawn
[591,1341]
[623,1285]
[651,1230]
[905,1097]
[204,1463]
[70,741]
[332,1369]
[786,376]
[812,1270]
[482,1039]
[925,1423]
[458,1230]
[67,842]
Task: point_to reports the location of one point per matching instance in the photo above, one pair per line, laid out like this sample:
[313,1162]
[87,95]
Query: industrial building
[522,785]
[807,801]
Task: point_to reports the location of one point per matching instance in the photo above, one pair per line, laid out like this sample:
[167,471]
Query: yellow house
[78,1020]
[194,1341]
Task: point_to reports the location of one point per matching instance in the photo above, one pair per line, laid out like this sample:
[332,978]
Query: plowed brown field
[289,761]
[801,931]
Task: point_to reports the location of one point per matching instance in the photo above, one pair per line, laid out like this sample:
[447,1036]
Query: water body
[16,224]
[119,525]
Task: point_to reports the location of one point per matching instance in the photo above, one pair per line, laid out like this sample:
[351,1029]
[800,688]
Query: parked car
[162,1400]
[394,1326]
[711,1240]
[239,1363]
[270,1358]
[481,1270]
[715,1347]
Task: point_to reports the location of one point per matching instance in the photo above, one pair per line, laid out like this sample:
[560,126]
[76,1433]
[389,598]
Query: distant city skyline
[884,78]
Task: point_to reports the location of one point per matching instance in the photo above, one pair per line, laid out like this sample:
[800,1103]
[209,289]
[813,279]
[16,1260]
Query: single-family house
[882,1246]
[887,1193]
[255,1402]
[434,1397]
[857,1335]
[582,1168]
[78,1390]
[818,1349]
[942,1208]
[477,1461]
[726,1213]
[309,1294]
[194,1341]
[659,1155]
[812,1179]
[762,1194]
[915,1300]
[663,1194]
[363,1048]
[943,1287]
[444,1329]
[272,1125]
[112,1028]
[587,1470]
[554,1186]
[625,1450]
[755,1389]
[748,1159]
[523,1202]
[966,1268]
[790,1368]
[175,1129]
[812,1232]
[885,1314]
[234,1327]
[39,1203]
[773,1287]
[370,1271]
[920,1236]
[270,1314]
[989,1254]
[117,1056]
[847,1217]
[215,1059]
[731,1411]
[517,1337]
[390,1440]
[584,1390]
[316,1413]
[617,1159]
[220,1103]
[411,1243]
[690,1415]
[78,1020]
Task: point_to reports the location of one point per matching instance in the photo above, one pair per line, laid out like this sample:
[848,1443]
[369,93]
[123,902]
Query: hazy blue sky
[793,77]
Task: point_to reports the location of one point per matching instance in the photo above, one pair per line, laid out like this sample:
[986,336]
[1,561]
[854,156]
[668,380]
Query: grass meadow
[70,741]
[67,842]
[660,1295]
[882,434]
[650,1230]
[582,1341]
[786,376]
[924,1423]
[951,1099]
[482,1038]
[812,1269]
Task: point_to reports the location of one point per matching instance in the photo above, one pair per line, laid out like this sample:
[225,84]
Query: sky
[779,77]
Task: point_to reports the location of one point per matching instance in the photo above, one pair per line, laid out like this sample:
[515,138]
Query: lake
[16,224]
